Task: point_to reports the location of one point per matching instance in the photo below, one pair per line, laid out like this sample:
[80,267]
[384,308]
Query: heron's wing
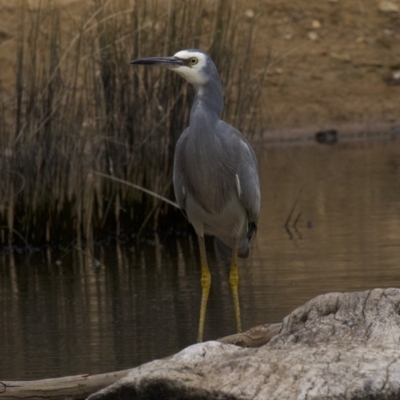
[178,179]
[247,182]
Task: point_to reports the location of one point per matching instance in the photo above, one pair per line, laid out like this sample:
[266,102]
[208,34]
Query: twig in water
[290,215]
[295,226]
[172,203]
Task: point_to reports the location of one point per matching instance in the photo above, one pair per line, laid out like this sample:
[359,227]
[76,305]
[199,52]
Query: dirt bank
[334,61]
[338,62]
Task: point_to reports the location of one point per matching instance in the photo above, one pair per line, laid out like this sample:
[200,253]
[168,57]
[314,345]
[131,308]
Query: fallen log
[254,337]
[71,387]
[336,346]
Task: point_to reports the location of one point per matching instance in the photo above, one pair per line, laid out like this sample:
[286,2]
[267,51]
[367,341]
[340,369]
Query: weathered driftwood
[80,386]
[69,387]
[336,346]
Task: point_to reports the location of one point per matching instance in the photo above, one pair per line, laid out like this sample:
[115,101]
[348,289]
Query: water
[142,303]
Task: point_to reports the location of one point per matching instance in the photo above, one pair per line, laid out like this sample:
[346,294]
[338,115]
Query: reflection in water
[348,224]
[143,302]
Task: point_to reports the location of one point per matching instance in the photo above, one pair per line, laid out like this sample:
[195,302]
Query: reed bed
[78,108]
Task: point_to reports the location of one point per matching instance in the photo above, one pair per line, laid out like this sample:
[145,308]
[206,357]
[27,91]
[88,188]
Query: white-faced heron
[215,175]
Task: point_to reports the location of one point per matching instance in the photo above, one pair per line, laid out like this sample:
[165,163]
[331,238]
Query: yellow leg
[205,286]
[234,283]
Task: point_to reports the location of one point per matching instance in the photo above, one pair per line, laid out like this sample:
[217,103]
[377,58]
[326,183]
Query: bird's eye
[193,61]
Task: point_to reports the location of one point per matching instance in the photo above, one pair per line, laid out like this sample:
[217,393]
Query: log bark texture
[336,346]
[69,387]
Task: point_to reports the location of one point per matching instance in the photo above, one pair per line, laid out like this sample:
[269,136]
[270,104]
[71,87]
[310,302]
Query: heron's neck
[207,105]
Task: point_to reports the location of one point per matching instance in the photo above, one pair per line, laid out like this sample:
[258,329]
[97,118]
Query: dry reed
[79,108]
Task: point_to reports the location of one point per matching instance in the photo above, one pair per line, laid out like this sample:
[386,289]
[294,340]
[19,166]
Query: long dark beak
[171,62]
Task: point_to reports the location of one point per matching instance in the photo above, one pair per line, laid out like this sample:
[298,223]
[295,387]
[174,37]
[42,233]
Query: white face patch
[193,74]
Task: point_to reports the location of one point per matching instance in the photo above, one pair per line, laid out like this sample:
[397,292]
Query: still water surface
[142,303]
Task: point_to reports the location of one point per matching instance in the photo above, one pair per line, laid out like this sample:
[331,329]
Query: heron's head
[194,65]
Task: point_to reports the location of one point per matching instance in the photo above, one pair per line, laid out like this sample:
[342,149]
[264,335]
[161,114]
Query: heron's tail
[225,251]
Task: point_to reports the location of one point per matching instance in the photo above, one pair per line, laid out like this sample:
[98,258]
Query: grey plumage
[209,155]
[215,175]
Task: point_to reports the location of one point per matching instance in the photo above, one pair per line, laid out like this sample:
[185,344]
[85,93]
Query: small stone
[388,7]
[370,40]
[393,79]
[341,57]
[388,32]
[315,24]
[329,136]
[287,36]
[249,14]
[313,36]
[279,71]
[4,35]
